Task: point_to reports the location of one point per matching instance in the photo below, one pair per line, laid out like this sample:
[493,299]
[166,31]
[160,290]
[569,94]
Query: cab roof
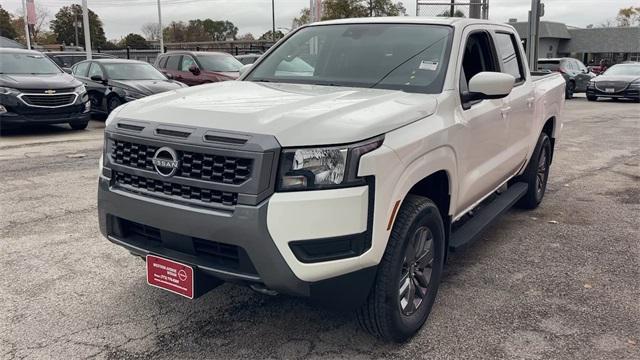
[451,21]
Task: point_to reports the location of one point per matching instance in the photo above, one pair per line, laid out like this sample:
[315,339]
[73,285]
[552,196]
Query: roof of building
[8,43]
[602,40]
[548,29]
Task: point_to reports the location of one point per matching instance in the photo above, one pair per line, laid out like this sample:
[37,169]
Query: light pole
[273,20]
[76,25]
[161,32]
[26,25]
[87,33]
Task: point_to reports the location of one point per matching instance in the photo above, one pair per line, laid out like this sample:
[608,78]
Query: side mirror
[490,85]
[168,75]
[67,70]
[194,69]
[244,69]
[97,78]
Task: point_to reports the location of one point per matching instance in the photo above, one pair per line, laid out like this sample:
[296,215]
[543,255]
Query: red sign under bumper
[170,275]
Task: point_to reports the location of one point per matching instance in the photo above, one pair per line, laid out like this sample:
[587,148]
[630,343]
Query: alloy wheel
[416,271]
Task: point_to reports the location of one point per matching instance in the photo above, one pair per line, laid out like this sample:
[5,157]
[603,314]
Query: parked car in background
[33,90]
[619,81]
[195,68]
[113,82]
[248,59]
[66,59]
[574,72]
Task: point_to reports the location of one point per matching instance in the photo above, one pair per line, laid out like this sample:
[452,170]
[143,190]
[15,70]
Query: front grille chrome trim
[75,98]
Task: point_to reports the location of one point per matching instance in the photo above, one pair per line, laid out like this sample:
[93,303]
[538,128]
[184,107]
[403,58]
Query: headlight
[323,167]
[80,90]
[8,91]
[635,83]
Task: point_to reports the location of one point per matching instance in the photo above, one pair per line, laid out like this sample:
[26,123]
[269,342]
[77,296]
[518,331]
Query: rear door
[483,128]
[518,111]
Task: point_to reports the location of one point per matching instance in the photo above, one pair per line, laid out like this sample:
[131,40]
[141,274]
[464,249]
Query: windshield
[220,63]
[633,70]
[129,71]
[406,57]
[12,63]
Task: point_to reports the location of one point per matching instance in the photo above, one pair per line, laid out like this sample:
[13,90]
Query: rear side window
[174,62]
[81,69]
[163,62]
[511,61]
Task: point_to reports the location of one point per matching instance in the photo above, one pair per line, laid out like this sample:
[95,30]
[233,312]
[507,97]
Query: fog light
[87,106]
[3,109]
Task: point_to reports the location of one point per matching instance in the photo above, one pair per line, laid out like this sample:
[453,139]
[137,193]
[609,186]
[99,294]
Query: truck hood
[297,115]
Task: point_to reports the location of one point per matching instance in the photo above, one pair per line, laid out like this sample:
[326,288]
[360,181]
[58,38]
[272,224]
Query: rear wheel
[537,174]
[409,274]
[113,103]
[571,87]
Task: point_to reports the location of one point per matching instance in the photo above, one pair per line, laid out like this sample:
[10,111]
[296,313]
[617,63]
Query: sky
[121,17]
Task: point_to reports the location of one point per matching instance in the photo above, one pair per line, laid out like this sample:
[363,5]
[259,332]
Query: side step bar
[472,228]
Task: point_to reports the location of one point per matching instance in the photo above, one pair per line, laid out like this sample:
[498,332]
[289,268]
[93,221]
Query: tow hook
[259,288]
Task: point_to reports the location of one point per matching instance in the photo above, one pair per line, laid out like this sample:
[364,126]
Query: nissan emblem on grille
[165,161]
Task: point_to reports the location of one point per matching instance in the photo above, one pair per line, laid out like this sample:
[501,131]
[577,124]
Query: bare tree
[151,31]
[43,15]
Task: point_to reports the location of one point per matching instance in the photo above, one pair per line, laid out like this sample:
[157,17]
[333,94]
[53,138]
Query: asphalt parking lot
[559,282]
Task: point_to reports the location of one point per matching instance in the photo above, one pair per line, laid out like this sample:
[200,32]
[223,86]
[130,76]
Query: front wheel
[592,98]
[113,103]
[79,125]
[409,274]
[571,87]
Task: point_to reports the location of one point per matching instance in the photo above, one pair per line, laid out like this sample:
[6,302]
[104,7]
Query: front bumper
[18,113]
[630,92]
[250,244]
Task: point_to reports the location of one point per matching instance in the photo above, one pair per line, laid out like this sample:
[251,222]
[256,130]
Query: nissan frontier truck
[342,166]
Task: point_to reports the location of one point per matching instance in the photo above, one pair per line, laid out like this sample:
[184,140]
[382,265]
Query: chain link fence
[476,9]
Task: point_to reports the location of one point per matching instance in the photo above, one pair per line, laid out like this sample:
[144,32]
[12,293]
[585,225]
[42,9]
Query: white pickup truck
[342,166]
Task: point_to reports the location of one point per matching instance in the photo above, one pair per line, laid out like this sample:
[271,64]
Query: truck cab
[343,166]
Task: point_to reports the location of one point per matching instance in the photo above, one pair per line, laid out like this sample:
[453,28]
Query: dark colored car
[33,90]
[195,68]
[66,59]
[248,58]
[619,81]
[574,72]
[113,82]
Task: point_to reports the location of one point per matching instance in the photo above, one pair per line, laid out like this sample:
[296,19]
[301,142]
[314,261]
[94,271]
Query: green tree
[6,25]
[628,17]
[134,41]
[305,18]
[342,9]
[268,36]
[447,13]
[63,26]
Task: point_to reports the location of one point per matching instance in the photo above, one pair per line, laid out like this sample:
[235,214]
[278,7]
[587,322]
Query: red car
[195,68]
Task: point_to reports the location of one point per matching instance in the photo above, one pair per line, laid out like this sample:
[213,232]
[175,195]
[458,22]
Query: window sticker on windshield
[428,65]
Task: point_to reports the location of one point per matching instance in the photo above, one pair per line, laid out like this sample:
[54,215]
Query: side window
[479,56]
[95,69]
[174,62]
[57,60]
[186,63]
[511,61]
[81,69]
[163,62]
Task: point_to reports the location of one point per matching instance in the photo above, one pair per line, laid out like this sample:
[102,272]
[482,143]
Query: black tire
[536,174]
[112,103]
[592,98]
[95,101]
[569,90]
[387,312]
[79,125]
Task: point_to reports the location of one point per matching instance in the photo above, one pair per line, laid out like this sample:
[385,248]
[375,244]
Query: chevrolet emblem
[50,92]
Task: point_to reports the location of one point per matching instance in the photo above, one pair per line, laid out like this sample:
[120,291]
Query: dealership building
[616,44]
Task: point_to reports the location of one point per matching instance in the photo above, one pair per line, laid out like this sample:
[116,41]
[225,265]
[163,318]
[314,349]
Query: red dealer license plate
[170,275]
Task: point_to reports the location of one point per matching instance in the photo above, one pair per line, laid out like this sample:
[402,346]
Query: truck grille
[193,165]
[162,188]
[49,100]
